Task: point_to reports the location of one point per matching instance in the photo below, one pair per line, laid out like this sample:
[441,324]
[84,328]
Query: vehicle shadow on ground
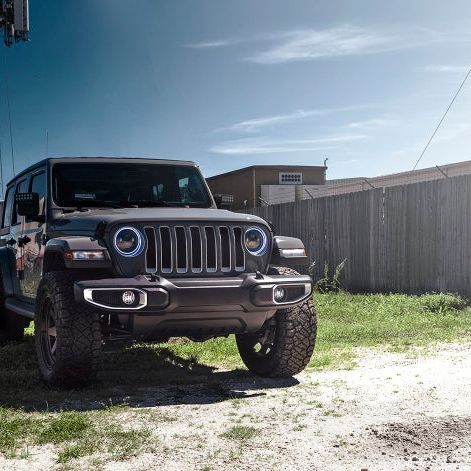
[141,376]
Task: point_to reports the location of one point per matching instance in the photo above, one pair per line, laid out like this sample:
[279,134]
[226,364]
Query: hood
[88,220]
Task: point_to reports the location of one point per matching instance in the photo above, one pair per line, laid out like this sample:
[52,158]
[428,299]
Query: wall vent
[290,178]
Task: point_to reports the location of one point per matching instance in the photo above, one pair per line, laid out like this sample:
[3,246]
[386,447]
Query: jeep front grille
[194,249]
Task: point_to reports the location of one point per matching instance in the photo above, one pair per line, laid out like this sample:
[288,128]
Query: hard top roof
[135,160]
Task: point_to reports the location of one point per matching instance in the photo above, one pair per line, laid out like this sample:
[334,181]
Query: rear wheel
[67,335]
[284,346]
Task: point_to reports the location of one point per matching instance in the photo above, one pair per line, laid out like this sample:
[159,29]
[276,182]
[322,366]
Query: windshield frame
[126,161]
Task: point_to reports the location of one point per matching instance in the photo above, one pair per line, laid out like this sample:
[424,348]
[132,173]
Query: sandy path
[392,412]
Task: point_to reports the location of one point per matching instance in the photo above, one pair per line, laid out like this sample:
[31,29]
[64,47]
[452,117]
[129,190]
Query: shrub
[441,303]
[328,284]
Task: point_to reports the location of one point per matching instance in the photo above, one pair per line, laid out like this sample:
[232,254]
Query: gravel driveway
[392,412]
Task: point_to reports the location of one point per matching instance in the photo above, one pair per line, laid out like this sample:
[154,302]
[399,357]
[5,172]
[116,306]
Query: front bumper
[247,292]
[192,307]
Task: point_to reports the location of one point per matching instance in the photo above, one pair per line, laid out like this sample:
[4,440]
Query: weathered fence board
[411,238]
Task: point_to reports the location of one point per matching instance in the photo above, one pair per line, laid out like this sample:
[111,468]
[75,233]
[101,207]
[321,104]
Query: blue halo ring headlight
[256,241]
[128,242]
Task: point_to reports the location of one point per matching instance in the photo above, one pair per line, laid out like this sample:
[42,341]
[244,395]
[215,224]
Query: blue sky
[242,82]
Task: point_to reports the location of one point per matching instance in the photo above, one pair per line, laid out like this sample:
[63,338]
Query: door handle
[11,241]
[23,241]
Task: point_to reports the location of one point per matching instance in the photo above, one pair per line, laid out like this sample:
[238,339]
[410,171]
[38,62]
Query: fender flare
[288,249]
[61,245]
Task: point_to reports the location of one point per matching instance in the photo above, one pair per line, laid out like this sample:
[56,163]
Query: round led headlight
[256,241]
[128,242]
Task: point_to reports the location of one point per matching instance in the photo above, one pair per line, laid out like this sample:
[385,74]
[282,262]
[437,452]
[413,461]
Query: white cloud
[255,124]
[213,44]
[370,124]
[272,146]
[344,40]
[338,41]
[454,69]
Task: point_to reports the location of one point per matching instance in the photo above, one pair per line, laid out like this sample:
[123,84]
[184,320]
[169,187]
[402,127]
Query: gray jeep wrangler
[103,249]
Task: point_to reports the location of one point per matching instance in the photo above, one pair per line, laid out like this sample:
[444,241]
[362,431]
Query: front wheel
[67,336]
[284,346]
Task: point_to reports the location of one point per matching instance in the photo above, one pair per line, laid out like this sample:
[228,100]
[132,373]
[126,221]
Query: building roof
[347,185]
[272,167]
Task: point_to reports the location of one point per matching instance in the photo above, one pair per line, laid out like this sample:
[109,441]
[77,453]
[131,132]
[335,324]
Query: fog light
[279,294]
[129,297]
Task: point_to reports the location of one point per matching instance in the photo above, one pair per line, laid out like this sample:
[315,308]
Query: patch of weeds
[240,432]
[340,442]
[76,450]
[15,427]
[299,428]
[236,402]
[331,413]
[442,303]
[65,427]
[125,443]
[160,417]
[316,404]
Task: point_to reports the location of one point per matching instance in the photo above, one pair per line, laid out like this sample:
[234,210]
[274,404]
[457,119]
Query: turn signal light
[85,255]
[293,253]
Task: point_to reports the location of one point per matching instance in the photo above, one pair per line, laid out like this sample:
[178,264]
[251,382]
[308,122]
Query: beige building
[268,184]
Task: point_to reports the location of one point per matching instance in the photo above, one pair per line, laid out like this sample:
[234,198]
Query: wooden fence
[412,238]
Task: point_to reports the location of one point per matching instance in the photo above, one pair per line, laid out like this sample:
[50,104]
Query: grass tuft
[65,427]
[240,432]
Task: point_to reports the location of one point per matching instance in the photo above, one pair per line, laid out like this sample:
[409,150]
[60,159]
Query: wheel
[284,346]
[67,336]
[12,326]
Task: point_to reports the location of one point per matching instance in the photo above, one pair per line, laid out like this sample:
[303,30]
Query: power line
[9,111]
[443,118]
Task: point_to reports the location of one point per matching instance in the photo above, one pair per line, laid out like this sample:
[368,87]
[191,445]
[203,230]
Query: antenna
[14,20]
[1,169]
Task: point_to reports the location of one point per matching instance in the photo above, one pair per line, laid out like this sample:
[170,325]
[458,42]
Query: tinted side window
[20,188]
[38,185]
[8,206]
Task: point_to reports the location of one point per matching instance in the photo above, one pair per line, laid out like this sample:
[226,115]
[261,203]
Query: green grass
[240,432]
[35,415]
[346,321]
[393,321]
[65,427]
[76,434]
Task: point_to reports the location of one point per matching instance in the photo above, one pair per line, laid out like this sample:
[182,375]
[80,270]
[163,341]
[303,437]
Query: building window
[291,178]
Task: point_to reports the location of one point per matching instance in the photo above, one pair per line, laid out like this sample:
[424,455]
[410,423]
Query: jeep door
[31,240]
[9,234]
[11,227]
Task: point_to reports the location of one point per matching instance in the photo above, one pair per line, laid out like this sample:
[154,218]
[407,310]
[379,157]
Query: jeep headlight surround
[256,241]
[128,241]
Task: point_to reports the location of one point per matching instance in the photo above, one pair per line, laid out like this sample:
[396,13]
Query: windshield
[128,185]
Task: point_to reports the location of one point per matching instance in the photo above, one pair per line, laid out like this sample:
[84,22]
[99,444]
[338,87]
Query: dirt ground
[394,411]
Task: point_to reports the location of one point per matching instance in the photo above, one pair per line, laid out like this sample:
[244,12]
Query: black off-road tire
[286,343]
[71,358]
[12,326]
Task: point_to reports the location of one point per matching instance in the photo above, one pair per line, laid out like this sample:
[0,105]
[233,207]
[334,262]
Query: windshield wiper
[152,204]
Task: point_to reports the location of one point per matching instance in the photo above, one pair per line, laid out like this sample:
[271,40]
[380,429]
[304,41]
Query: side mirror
[224,201]
[27,204]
